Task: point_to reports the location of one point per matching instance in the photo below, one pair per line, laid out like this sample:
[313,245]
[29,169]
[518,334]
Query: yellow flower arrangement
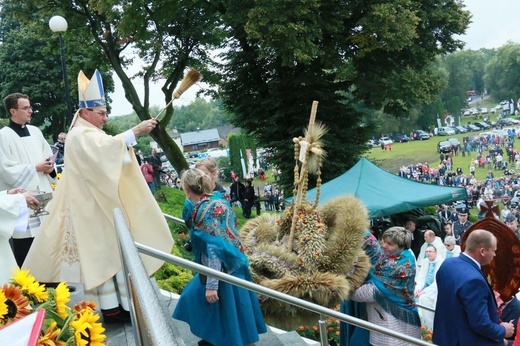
[61,298]
[63,326]
[35,292]
[87,331]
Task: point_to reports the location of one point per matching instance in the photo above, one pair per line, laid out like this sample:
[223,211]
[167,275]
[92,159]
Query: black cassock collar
[21,130]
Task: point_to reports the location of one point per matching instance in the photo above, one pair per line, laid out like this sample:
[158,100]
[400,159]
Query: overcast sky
[494,23]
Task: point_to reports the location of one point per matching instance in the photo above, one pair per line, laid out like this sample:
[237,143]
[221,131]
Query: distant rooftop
[202,136]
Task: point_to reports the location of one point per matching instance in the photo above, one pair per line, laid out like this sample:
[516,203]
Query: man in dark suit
[466,311]
[445,213]
[511,311]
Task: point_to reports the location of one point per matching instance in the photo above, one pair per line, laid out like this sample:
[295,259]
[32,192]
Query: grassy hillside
[426,151]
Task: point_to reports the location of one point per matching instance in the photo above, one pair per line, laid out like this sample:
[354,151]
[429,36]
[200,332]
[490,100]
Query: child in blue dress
[219,313]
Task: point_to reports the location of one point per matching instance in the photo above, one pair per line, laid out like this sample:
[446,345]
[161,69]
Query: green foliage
[235,146]
[503,72]
[313,332]
[31,63]
[344,55]
[170,277]
[200,114]
[430,210]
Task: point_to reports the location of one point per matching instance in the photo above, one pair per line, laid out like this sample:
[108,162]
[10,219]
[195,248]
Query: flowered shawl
[187,211]
[393,276]
[215,234]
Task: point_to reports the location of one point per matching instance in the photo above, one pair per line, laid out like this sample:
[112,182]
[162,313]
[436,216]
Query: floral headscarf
[394,278]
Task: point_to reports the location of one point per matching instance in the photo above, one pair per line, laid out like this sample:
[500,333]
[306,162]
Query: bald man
[431,239]
[466,311]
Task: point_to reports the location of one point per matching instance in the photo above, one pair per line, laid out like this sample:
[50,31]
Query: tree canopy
[343,54]
[30,60]
[276,57]
[503,72]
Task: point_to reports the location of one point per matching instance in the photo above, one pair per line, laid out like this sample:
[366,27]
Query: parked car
[460,129]
[420,135]
[504,122]
[385,141]
[502,133]
[513,120]
[402,138]
[472,127]
[444,147]
[454,141]
[194,154]
[483,125]
[484,110]
[446,131]
[372,143]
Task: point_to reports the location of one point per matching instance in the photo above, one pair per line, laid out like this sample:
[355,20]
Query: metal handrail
[181,222]
[303,304]
[150,326]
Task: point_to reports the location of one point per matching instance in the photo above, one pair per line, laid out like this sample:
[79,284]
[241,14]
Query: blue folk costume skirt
[234,320]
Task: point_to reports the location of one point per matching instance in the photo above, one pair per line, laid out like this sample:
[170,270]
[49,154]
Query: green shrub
[170,277]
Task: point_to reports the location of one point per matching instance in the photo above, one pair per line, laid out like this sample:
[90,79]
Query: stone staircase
[123,334]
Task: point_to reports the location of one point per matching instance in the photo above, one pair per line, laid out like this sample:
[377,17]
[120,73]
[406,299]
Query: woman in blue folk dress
[209,166]
[217,312]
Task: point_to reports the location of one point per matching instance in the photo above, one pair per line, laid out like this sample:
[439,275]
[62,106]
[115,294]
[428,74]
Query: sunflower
[82,305]
[49,336]
[3,305]
[87,331]
[62,298]
[17,304]
[37,292]
[29,285]
[22,278]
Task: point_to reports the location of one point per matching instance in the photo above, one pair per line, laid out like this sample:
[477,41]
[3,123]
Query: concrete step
[123,334]
[273,337]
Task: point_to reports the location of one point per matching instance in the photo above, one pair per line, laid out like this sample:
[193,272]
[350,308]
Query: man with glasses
[25,162]
[78,242]
[452,249]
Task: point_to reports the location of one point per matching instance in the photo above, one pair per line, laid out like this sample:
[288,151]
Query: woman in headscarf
[389,289]
[217,312]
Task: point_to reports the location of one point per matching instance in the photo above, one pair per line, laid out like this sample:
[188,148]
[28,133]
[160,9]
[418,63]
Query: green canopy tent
[384,193]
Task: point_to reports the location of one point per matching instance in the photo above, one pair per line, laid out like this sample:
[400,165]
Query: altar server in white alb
[25,162]
[14,214]
[78,241]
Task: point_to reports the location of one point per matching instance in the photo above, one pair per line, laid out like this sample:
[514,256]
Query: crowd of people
[75,242]
[493,153]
